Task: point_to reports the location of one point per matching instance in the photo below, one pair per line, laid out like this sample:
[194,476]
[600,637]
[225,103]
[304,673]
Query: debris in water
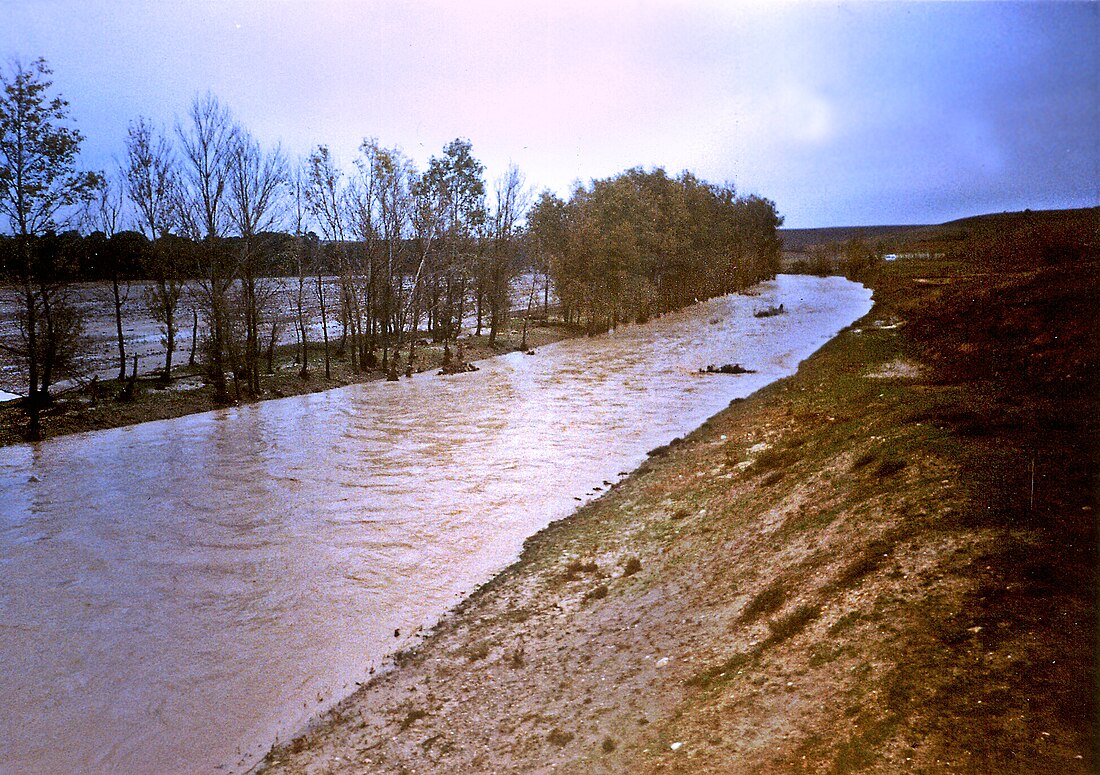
[735,368]
[457,367]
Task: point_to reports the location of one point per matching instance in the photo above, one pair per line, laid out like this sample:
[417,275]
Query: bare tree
[367,278]
[256,205]
[512,201]
[105,214]
[455,179]
[39,184]
[395,203]
[426,218]
[325,199]
[319,289]
[152,184]
[150,177]
[301,253]
[382,206]
[207,140]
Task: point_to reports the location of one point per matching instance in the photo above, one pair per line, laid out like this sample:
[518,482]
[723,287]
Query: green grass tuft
[769,599]
[793,623]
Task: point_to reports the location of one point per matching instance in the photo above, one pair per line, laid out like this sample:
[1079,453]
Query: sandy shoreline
[803,584]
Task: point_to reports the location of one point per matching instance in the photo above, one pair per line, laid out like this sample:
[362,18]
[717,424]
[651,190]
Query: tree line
[385,252]
[642,243]
[96,257]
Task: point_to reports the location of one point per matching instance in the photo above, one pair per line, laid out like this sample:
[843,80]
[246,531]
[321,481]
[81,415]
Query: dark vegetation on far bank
[884,563]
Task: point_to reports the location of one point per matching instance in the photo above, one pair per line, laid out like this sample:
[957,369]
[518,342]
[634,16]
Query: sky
[842,113]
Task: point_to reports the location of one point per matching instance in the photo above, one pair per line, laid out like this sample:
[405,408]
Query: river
[178,594]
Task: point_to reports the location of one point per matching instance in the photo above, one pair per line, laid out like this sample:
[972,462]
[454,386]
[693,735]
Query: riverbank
[97,406]
[883,563]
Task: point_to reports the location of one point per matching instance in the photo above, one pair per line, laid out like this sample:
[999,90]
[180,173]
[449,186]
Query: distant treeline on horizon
[95,257]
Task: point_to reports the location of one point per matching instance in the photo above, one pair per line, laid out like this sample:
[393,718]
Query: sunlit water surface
[178,594]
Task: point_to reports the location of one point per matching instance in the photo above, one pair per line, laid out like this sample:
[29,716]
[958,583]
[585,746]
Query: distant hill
[801,240]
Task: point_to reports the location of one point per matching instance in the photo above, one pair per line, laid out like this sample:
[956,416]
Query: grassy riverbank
[884,563]
[99,407]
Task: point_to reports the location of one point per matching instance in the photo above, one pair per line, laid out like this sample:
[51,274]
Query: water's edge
[512,571]
[180,588]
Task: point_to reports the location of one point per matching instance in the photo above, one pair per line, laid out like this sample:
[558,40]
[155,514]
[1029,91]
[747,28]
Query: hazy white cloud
[850,113]
[787,115]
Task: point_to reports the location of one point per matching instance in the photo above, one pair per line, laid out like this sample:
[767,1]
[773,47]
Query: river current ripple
[178,594]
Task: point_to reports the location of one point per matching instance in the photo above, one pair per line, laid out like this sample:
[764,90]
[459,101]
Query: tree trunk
[271,351]
[303,339]
[194,338]
[216,365]
[252,331]
[34,428]
[324,324]
[169,343]
[118,330]
[527,316]
[480,302]
[51,343]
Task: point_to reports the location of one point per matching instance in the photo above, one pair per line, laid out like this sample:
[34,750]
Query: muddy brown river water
[176,595]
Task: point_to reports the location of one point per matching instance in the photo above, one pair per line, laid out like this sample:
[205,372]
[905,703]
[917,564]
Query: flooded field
[144,337]
[178,594]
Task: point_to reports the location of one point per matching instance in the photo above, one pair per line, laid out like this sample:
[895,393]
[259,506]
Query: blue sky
[843,113]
